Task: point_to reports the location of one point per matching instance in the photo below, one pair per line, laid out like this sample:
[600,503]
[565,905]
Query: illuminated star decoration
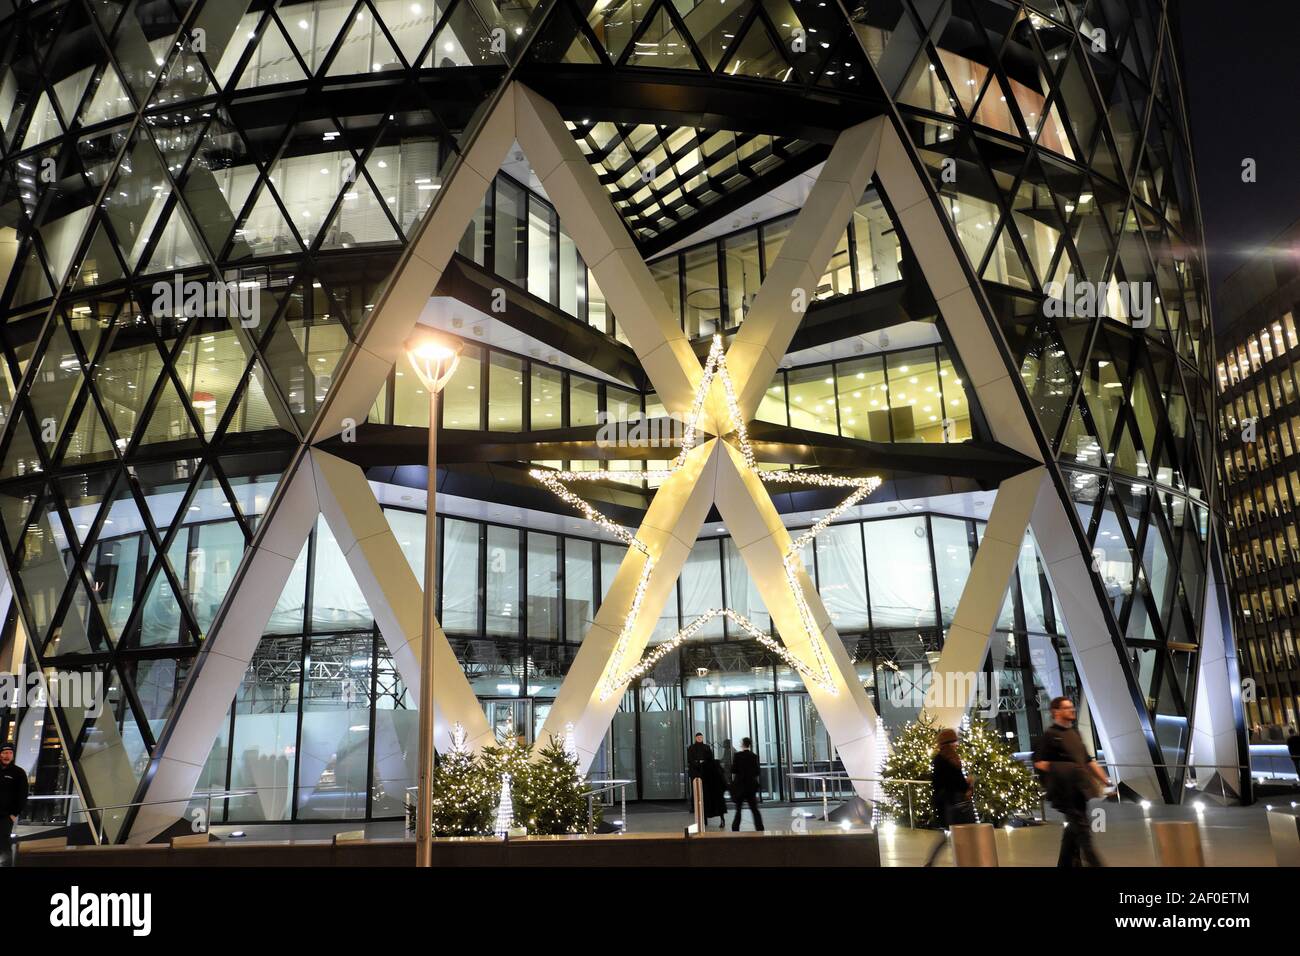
[617,675]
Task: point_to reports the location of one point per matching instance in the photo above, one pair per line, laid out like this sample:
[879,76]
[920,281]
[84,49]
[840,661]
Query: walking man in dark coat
[13,799]
[698,757]
[745,784]
[1071,778]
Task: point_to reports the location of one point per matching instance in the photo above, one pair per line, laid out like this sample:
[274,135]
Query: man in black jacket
[13,798]
[1069,772]
[745,783]
[698,757]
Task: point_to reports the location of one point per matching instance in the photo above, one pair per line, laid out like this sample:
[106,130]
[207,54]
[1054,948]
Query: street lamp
[434,361]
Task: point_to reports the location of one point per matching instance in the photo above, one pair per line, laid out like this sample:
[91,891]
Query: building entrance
[729,719]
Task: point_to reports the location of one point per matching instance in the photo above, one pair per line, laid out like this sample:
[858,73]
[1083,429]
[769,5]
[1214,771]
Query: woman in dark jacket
[951,789]
[715,793]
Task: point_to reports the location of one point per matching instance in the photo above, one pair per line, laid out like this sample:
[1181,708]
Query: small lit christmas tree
[505,821]
[1004,787]
[554,793]
[462,800]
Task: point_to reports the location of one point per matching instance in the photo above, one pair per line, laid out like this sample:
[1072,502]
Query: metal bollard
[1284,831]
[974,844]
[1178,843]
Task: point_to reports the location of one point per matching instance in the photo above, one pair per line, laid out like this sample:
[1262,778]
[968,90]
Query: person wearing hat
[950,789]
[13,798]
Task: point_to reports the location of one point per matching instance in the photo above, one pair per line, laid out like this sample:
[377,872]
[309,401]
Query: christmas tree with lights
[507,785]
[554,793]
[510,758]
[1004,786]
[462,800]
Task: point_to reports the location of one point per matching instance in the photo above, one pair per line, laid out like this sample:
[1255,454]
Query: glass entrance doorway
[728,719]
[529,715]
[805,744]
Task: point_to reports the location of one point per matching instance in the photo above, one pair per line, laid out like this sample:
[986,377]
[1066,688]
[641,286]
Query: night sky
[1242,77]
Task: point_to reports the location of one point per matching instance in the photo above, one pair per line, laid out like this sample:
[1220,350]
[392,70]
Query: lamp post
[434,361]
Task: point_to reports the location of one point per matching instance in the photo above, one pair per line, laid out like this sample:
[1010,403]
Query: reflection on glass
[546,385]
[543,586]
[743,276]
[863,398]
[334,755]
[579,588]
[952,555]
[842,577]
[584,401]
[460,400]
[915,407]
[510,229]
[505,393]
[812,398]
[459,594]
[543,228]
[898,560]
[502,586]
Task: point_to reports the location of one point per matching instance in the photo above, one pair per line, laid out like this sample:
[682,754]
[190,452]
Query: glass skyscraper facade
[205,205]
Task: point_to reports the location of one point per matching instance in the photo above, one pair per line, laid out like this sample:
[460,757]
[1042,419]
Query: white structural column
[763,541]
[954,676]
[1218,694]
[1099,662]
[322,485]
[381,341]
[584,206]
[223,660]
[395,596]
[791,280]
[956,296]
[669,530]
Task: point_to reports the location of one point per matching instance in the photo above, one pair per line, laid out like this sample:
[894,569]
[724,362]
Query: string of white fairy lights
[617,676]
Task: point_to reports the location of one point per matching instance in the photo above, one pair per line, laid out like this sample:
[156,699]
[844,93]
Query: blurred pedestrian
[951,791]
[1071,777]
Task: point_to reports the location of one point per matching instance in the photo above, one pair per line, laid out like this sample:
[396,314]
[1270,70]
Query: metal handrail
[196,826]
[208,796]
[70,797]
[842,775]
[610,785]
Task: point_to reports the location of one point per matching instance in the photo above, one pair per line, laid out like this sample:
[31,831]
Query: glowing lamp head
[434,360]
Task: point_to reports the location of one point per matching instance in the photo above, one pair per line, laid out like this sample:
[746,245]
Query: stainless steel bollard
[1178,843]
[974,844]
[1284,831]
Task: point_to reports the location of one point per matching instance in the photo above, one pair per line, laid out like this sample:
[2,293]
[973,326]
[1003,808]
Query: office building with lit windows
[1259,442]
[221,224]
